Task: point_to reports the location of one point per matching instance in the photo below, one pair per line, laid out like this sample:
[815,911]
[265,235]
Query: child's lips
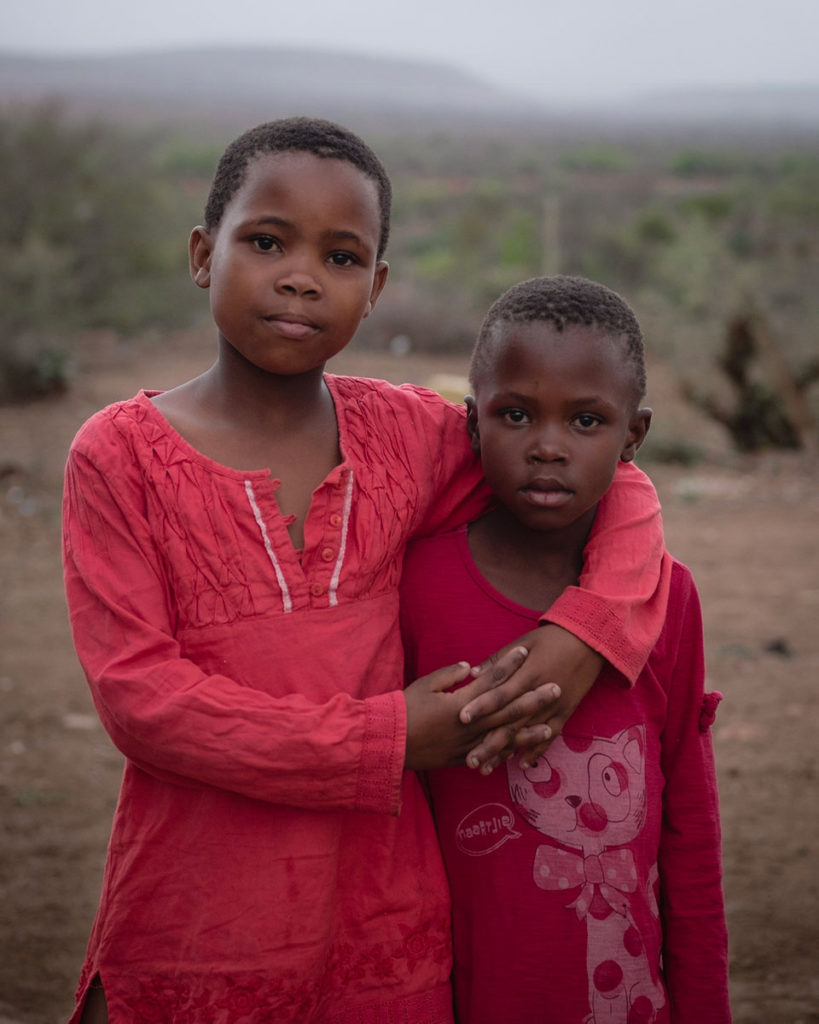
[292,325]
[547,493]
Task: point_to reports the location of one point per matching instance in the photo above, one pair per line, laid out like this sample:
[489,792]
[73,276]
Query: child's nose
[298,279]
[548,446]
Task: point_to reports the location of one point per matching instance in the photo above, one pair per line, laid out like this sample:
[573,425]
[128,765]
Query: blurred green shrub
[596,157]
[88,239]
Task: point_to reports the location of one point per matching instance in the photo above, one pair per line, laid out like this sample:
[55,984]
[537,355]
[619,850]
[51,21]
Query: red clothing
[554,869]
[258,867]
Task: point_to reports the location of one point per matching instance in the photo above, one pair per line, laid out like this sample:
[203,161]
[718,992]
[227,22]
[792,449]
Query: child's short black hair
[561,300]
[303,135]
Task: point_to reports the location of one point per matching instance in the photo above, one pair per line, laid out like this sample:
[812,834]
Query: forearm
[187,727]
[451,485]
[619,607]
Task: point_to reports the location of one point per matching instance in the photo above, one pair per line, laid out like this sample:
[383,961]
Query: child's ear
[472,424]
[637,430]
[382,268]
[200,249]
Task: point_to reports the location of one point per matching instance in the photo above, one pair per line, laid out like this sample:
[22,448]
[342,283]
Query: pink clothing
[259,868]
[588,887]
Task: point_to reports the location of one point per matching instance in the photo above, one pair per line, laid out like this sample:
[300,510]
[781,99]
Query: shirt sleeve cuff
[593,621]
[382,754]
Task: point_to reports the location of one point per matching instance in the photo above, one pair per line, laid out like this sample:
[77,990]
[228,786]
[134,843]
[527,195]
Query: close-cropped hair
[301,135]
[561,300]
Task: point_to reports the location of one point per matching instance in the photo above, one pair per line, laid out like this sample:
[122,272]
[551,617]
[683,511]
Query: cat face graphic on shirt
[585,792]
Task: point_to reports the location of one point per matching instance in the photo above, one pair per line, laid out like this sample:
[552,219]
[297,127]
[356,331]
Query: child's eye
[266,243]
[342,259]
[586,420]
[514,416]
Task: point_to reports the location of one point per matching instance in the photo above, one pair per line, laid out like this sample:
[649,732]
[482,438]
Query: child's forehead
[308,182]
[541,352]
[302,170]
[545,340]
[546,331]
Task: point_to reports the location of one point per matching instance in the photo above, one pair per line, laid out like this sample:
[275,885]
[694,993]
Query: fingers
[503,705]
[495,667]
[530,740]
[449,675]
[489,679]
[533,742]
[444,678]
[493,748]
[501,743]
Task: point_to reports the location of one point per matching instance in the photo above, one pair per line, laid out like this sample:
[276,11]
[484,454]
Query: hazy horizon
[561,53]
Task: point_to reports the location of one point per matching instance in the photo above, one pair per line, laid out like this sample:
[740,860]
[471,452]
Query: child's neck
[249,420]
[529,567]
[245,399]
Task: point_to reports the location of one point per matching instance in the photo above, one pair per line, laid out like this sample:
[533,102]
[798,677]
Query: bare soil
[747,527]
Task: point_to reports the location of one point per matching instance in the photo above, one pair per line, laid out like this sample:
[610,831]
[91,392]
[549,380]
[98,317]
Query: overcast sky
[561,49]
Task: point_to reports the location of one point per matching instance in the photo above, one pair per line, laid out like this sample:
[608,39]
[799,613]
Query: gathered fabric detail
[708,713]
[287,602]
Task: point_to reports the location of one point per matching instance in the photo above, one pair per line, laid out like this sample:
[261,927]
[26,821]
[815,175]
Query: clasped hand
[512,703]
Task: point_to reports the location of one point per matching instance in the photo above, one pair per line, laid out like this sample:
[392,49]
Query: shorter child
[586,886]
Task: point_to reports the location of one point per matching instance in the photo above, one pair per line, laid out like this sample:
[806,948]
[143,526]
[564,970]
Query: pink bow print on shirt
[605,878]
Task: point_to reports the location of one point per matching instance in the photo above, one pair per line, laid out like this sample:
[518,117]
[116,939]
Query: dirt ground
[748,529]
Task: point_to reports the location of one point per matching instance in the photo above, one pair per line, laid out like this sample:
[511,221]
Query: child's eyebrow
[592,400]
[342,235]
[260,222]
[575,403]
[512,396]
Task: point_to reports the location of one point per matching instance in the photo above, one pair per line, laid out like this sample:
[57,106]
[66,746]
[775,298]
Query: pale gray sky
[587,49]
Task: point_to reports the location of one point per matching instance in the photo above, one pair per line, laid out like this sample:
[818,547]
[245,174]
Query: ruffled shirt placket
[312,580]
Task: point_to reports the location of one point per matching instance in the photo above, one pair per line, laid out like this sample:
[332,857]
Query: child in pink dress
[587,886]
[232,550]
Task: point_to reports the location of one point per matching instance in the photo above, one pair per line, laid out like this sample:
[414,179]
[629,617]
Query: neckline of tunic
[144,396]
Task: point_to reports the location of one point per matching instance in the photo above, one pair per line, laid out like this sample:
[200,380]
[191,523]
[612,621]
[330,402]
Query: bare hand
[437,734]
[554,654]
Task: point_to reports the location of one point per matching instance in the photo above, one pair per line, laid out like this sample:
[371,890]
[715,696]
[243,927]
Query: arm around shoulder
[450,483]
[620,606]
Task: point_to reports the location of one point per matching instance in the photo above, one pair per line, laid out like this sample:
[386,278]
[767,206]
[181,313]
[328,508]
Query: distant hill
[246,84]
[256,83]
[756,104]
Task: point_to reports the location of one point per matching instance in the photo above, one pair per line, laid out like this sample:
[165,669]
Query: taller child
[232,551]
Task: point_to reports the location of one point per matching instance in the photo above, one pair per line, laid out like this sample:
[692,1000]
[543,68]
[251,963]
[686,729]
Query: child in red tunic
[233,549]
[587,885]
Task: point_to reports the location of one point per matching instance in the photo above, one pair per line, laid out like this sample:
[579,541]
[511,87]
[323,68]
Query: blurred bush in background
[90,237]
